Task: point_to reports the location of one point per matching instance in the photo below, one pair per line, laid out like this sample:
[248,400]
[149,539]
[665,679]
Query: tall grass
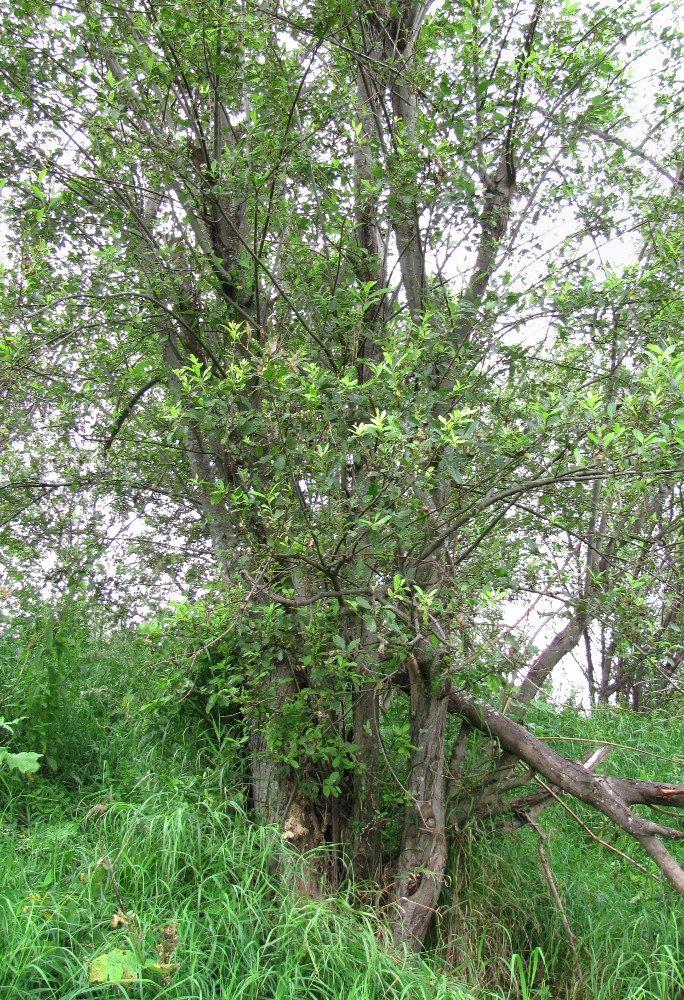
[134,839]
[626,923]
[183,875]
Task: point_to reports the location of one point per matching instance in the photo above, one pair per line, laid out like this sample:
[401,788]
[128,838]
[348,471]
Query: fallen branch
[610,796]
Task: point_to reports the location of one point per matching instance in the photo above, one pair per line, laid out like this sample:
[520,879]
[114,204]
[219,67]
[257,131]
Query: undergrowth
[183,880]
[132,845]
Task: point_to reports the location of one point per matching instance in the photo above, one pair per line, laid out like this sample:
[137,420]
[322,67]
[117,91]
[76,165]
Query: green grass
[162,834]
[188,865]
[173,847]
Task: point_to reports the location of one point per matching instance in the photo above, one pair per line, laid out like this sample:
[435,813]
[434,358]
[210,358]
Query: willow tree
[382,304]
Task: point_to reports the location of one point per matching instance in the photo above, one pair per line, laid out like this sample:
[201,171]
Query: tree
[326,286]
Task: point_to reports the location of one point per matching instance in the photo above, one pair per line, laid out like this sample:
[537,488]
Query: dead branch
[610,796]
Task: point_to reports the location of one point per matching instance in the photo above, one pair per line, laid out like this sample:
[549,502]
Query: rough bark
[422,862]
[276,800]
[610,796]
[365,832]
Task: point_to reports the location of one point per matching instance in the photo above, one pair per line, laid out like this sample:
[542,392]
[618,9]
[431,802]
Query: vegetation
[342,390]
[142,847]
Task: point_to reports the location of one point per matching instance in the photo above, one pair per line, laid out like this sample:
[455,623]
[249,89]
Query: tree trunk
[277,801]
[365,830]
[422,862]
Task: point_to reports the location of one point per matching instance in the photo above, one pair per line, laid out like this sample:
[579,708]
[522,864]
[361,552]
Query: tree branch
[610,796]
[127,410]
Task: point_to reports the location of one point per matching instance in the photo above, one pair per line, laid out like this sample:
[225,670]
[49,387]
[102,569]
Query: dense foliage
[358,329]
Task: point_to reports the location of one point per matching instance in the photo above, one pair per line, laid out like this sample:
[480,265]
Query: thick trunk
[423,858]
[276,800]
[365,831]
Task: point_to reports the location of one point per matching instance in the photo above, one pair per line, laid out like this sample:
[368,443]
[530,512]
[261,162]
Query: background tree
[330,290]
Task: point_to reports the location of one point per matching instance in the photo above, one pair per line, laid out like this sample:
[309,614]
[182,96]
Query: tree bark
[610,796]
[423,858]
[365,832]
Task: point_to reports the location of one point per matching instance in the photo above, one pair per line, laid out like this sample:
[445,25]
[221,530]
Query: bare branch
[610,796]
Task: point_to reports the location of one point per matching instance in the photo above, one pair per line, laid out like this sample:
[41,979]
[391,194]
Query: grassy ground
[130,857]
[164,867]
[176,877]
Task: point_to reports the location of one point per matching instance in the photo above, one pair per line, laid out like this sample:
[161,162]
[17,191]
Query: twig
[548,875]
[594,836]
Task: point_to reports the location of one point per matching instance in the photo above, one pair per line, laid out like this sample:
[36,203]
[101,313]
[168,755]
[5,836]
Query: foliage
[363,326]
[216,663]
[60,678]
[26,761]
[155,864]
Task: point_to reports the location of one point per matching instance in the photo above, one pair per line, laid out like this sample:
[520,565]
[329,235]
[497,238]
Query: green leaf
[114,967]
[160,968]
[26,762]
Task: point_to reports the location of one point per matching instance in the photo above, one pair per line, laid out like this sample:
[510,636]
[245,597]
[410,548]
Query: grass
[154,859]
[182,874]
[169,858]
